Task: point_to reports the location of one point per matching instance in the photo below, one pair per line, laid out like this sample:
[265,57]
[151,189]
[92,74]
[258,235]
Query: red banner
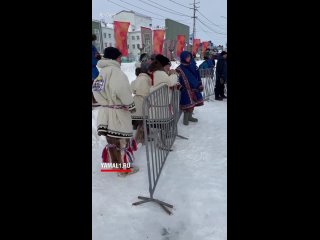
[195,46]
[158,37]
[120,36]
[181,41]
[146,39]
[204,47]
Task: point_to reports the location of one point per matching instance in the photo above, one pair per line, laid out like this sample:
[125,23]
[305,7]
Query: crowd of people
[121,102]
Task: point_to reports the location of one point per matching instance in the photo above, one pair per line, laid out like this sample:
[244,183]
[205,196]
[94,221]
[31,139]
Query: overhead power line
[210,28]
[208,19]
[180,4]
[132,10]
[142,9]
[182,14]
[164,17]
[157,7]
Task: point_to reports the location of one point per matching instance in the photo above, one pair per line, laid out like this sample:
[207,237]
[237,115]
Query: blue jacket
[95,71]
[207,64]
[221,71]
[190,81]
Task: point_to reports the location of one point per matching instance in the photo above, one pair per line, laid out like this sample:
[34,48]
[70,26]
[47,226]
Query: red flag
[180,44]
[204,47]
[195,46]
[120,35]
[158,37]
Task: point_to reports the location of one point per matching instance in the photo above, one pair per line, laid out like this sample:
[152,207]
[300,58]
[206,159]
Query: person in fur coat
[140,88]
[112,91]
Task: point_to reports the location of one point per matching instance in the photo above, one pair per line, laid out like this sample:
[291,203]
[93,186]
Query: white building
[107,35]
[136,20]
[134,43]
[134,32]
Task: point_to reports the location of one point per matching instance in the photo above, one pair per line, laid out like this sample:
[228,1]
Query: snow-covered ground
[194,180]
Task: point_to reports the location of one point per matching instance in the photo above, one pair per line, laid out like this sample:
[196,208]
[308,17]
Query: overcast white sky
[214,10]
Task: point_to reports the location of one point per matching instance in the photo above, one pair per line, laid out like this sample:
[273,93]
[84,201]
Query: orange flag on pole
[204,47]
[195,46]
[120,35]
[180,44]
[158,37]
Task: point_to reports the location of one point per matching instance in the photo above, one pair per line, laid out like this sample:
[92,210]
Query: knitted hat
[111,53]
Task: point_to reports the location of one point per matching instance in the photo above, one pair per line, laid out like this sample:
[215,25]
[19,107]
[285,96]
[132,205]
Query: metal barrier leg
[177,128]
[161,203]
[182,137]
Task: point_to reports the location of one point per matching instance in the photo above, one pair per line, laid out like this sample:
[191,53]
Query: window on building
[133,46]
[128,46]
[138,45]
[132,37]
[97,33]
[109,35]
[138,37]
[106,45]
[104,35]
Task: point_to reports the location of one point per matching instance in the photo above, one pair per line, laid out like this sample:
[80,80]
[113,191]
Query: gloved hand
[200,88]
[172,71]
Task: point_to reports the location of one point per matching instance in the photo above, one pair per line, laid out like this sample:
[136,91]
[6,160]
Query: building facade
[96,29]
[107,35]
[136,20]
[134,41]
[174,28]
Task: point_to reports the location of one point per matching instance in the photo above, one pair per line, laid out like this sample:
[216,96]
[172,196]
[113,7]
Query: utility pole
[194,17]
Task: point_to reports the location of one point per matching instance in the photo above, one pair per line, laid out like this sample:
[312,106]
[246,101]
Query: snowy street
[193,180]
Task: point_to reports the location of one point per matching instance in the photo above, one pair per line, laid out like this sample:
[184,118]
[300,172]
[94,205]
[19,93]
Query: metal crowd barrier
[161,114]
[208,82]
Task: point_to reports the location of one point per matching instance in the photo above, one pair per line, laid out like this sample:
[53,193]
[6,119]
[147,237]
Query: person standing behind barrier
[144,57]
[161,73]
[113,93]
[221,76]
[140,88]
[207,63]
[191,86]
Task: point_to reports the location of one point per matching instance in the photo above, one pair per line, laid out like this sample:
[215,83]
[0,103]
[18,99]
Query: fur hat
[163,60]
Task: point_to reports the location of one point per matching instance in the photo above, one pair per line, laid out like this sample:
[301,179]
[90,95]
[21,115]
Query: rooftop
[135,13]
